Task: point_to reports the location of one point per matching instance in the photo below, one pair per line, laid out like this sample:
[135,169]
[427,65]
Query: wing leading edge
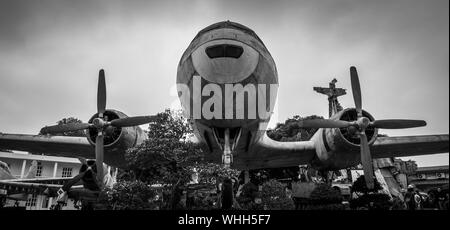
[49,145]
[409,146]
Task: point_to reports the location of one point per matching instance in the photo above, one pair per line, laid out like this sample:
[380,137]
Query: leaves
[274,196]
[135,195]
[70,120]
[360,185]
[325,194]
[291,131]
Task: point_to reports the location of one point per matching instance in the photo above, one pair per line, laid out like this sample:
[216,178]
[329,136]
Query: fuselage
[227,83]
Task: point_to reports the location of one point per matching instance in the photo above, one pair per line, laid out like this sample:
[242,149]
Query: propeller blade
[66,187]
[356,90]
[132,121]
[82,160]
[101,93]
[397,124]
[324,123]
[54,129]
[99,158]
[366,160]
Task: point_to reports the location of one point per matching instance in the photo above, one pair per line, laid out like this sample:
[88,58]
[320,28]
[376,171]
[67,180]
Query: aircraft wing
[50,145]
[18,189]
[15,187]
[409,146]
[274,154]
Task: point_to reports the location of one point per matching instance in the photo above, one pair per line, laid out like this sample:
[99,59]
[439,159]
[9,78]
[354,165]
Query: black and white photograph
[249,107]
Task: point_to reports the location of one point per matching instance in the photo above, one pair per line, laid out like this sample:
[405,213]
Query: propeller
[361,124]
[100,124]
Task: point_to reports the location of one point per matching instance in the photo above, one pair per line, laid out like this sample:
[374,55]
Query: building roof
[25,156]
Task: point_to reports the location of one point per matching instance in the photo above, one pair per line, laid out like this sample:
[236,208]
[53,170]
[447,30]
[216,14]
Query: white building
[48,167]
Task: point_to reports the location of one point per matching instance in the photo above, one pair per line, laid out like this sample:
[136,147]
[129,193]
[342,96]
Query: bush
[274,196]
[136,195]
[372,201]
[360,185]
[324,197]
[325,194]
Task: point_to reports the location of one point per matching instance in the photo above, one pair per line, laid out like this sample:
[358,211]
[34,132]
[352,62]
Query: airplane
[228,53]
[223,54]
[83,186]
[6,175]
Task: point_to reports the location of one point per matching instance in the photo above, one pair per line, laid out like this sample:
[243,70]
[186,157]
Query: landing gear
[227,156]
[227,192]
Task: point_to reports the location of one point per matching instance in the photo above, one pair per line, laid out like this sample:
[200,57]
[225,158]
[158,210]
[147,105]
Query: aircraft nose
[225,61]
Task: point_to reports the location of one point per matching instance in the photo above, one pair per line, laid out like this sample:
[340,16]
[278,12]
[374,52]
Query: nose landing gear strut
[227,156]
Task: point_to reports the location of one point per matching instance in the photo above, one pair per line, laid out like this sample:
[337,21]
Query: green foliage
[372,201]
[247,198]
[324,197]
[325,194]
[211,173]
[201,197]
[132,195]
[169,125]
[291,131]
[274,196]
[163,160]
[360,185]
[165,156]
[70,120]
[169,158]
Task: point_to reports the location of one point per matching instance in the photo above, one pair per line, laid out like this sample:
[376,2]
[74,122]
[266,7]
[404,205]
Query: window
[31,202]
[66,172]
[224,50]
[39,169]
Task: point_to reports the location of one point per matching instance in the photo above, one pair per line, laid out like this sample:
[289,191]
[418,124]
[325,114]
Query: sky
[51,52]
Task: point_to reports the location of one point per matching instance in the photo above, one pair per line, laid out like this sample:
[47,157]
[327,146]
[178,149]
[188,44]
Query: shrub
[274,196]
[324,197]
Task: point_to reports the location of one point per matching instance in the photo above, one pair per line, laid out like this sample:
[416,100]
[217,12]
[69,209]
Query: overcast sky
[51,51]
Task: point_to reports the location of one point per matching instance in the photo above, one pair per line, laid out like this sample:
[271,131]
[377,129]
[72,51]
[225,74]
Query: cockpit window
[224,50]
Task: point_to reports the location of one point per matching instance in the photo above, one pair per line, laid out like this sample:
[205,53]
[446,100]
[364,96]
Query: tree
[132,195]
[370,198]
[70,120]
[325,197]
[274,196]
[169,158]
[290,130]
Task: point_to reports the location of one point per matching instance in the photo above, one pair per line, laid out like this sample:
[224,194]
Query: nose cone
[225,61]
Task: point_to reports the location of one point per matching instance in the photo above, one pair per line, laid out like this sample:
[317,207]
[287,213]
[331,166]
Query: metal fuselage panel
[194,63]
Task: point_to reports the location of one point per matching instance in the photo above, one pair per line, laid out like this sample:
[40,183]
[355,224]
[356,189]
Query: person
[227,194]
[445,204]
[409,198]
[440,197]
[418,200]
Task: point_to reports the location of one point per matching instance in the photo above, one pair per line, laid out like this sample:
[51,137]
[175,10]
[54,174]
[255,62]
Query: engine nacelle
[340,148]
[116,140]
